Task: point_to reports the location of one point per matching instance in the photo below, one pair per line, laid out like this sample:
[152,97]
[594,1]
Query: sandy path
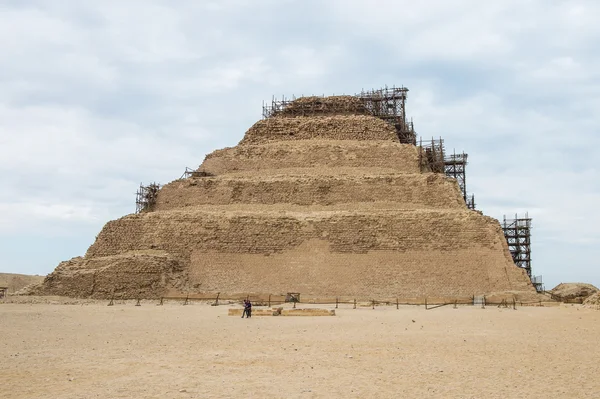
[174,351]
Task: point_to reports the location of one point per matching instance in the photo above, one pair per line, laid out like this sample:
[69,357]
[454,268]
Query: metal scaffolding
[538,283]
[471,202]
[289,107]
[518,236]
[389,104]
[146,197]
[455,167]
[189,172]
[431,156]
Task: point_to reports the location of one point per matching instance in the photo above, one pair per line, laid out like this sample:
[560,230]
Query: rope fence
[429,303]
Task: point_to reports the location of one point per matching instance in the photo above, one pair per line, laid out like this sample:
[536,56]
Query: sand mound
[573,291]
[593,301]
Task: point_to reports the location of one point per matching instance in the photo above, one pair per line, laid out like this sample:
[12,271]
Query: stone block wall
[404,252]
[323,127]
[345,156]
[128,274]
[405,191]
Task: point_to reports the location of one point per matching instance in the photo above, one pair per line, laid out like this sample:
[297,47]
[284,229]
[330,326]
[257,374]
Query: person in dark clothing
[247,309]
[245,312]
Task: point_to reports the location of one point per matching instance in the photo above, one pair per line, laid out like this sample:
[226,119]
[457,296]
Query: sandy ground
[91,350]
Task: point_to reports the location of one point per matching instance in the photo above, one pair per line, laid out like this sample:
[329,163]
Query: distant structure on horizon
[325,196]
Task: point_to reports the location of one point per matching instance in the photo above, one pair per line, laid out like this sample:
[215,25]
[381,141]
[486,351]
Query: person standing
[247,309]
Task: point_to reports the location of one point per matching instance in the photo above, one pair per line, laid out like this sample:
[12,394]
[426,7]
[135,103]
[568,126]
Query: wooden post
[455,307]
[397,304]
[269,300]
[161,301]
[425,303]
[483,303]
[373,301]
[514,304]
[336,302]
[294,304]
[354,303]
[217,300]
[186,299]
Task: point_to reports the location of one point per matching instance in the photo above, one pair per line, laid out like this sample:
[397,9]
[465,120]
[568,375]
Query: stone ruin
[324,203]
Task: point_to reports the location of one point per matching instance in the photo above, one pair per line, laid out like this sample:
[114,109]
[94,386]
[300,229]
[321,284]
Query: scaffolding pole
[518,237]
[431,155]
[146,197]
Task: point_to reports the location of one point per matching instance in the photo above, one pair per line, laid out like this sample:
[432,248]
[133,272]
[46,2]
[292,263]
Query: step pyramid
[323,203]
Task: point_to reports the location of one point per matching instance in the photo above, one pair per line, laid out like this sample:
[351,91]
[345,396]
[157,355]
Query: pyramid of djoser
[330,204]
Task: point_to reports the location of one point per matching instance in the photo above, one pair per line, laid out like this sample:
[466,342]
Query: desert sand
[90,350]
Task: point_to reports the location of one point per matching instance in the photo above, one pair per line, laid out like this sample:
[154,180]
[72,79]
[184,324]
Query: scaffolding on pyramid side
[431,155]
[146,197]
[518,237]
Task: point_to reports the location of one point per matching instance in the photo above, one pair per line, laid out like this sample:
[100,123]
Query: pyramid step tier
[406,190]
[229,230]
[339,127]
[314,154]
[402,253]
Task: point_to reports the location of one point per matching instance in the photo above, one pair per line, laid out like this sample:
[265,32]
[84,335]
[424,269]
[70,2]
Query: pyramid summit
[325,196]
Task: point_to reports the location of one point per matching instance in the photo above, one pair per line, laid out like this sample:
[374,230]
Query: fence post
[336,302]
[161,301]
[397,304]
[483,303]
[354,303]
[455,307]
[186,299]
[294,303]
[373,301]
[425,303]
[217,299]
[514,304]
[269,300]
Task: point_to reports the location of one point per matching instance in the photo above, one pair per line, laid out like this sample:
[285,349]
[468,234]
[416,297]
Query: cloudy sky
[98,96]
